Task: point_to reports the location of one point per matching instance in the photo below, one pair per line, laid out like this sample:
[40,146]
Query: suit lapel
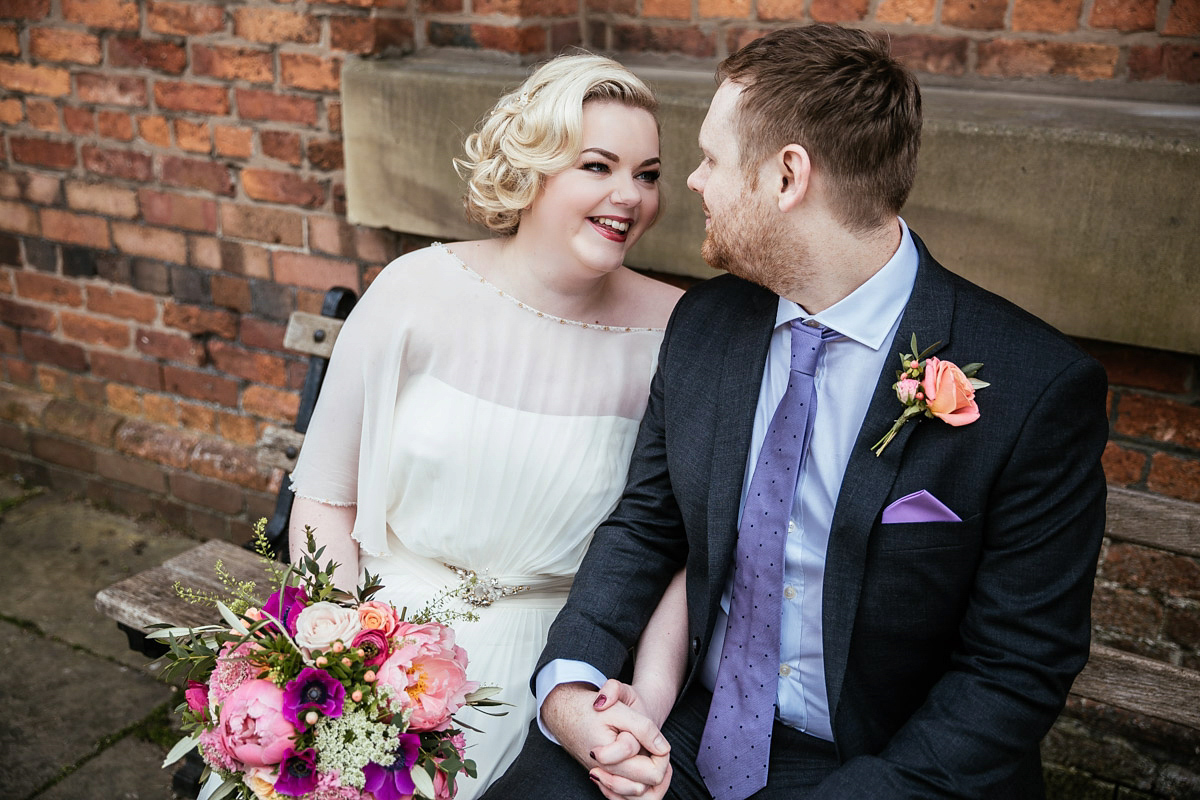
[868,479]
[737,399]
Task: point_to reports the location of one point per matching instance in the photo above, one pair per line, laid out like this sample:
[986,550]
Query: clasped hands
[614,734]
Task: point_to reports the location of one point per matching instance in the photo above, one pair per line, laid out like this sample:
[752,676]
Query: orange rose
[948,393]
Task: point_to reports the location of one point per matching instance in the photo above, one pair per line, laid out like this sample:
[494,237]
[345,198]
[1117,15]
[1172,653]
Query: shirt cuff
[558,672]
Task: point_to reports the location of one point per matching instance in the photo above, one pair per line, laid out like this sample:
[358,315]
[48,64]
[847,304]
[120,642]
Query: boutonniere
[934,388]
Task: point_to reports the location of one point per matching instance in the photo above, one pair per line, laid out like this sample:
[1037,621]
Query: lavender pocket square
[918,507]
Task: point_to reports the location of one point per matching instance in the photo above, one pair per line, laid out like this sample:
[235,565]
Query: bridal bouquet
[322,694]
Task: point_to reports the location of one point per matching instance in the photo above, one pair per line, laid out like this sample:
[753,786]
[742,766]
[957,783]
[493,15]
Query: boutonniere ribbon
[935,388]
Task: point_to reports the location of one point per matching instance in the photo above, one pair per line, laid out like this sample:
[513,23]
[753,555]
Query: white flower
[320,625]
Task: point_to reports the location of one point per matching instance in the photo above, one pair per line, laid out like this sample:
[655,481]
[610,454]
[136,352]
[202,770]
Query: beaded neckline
[521,304]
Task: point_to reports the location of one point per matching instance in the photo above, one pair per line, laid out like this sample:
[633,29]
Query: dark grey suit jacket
[949,647]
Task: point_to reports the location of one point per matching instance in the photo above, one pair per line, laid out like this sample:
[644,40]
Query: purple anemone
[297,773]
[394,782]
[312,690]
[285,606]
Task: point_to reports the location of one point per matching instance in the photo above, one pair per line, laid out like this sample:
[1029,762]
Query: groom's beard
[751,241]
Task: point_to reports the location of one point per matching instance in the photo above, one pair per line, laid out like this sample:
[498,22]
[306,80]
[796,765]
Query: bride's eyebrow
[616,160]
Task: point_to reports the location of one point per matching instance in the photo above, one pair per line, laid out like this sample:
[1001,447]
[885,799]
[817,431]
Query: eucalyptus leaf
[483,693]
[422,782]
[231,618]
[181,749]
[978,384]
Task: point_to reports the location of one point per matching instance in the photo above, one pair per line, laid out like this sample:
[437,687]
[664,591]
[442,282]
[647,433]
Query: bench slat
[275,446]
[1141,685]
[1160,522]
[312,334]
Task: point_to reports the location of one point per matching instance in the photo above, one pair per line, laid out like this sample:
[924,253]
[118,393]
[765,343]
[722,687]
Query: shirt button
[789,592]
[791,527]
[785,670]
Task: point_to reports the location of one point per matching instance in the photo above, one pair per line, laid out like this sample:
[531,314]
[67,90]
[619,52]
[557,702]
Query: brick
[1156,570]
[89,390]
[41,255]
[232,293]
[120,90]
[125,164]
[687,41]
[187,96]
[263,334]
[522,40]
[190,285]
[233,63]
[19,218]
[43,152]
[95,330]
[10,42]
[233,142]
[271,404]
[155,443]
[1183,19]
[200,386]
[315,73]
[10,253]
[1174,476]
[283,187]
[276,27]
[931,54]
[298,269]
[1126,611]
[18,371]
[326,154]
[43,349]
[838,10]
[25,316]
[119,14]
[193,136]
[257,367]
[371,35]
[1181,63]
[79,421]
[52,380]
[154,129]
[1009,58]
[41,189]
[171,347]
[80,229]
[79,121]
[259,104]
[209,176]
[122,369]
[60,451]
[906,12]
[22,407]
[113,267]
[13,438]
[273,226]
[49,81]
[161,409]
[1182,624]
[664,9]
[724,9]
[150,276]
[11,112]
[274,301]
[156,243]
[25,9]
[1162,420]
[1124,15]
[185,19]
[200,320]
[137,52]
[131,471]
[780,10]
[228,463]
[81,262]
[58,44]
[42,115]
[281,146]
[210,494]
[49,289]
[1143,368]
[233,257]
[564,34]
[237,429]
[1123,466]
[174,210]
[121,304]
[114,125]
[974,14]
[1046,16]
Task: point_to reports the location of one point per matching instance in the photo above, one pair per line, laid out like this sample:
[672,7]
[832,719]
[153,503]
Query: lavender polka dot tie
[736,744]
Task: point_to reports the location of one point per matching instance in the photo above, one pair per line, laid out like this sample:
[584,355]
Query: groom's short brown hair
[838,93]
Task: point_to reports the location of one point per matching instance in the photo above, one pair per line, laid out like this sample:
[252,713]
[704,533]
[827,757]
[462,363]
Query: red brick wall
[172,190]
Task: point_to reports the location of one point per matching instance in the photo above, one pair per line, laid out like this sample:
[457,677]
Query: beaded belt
[481,590]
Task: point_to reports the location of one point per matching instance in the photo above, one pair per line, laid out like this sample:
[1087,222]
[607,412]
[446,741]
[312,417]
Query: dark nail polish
[591,755]
[593,777]
[600,700]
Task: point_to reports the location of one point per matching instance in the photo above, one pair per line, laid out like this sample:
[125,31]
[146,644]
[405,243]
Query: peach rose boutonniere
[933,387]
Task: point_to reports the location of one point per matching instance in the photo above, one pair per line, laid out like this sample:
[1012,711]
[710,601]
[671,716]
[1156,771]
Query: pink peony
[436,672]
[252,727]
[375,615]
[320,625]
[949,393]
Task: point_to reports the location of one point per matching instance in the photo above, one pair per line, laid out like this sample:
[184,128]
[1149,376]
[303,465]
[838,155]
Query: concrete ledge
[1083,211]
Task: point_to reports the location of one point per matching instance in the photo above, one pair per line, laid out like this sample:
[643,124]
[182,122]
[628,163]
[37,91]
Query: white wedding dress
[472,430]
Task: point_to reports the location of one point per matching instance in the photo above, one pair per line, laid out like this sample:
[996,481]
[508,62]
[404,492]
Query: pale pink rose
[906,389]
[375,615]
[949,393]
[321,624]
[253,729]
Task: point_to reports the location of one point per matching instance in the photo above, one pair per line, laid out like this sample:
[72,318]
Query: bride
[483,397]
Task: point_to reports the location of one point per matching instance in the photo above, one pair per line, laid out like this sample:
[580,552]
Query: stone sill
[1084,211]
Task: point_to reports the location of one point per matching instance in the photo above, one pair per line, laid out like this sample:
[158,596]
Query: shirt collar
[868,314]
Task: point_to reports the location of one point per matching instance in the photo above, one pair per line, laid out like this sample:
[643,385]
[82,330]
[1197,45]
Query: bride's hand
[611,757]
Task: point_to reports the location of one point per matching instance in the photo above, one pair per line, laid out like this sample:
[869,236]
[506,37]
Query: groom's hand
[635,754]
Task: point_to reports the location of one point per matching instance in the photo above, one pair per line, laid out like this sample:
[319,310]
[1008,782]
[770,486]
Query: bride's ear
[795,170]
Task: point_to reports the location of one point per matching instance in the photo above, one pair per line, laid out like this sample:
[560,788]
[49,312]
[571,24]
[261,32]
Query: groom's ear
[795,170]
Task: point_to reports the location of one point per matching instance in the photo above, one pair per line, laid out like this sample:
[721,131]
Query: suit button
[696,645]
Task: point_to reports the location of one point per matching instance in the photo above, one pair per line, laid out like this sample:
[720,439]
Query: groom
[900,625]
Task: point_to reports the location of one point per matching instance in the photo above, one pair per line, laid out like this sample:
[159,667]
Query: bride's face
[595,210]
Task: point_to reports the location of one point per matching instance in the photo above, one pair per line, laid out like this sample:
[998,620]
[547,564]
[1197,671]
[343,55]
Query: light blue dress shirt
[845,380]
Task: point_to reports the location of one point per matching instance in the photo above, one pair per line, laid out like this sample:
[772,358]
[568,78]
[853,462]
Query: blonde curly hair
[537,131]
